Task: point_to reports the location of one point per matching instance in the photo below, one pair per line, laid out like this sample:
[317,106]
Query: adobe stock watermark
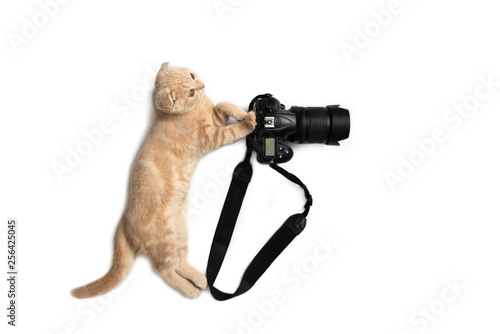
[420,320]
[222,7]
[32,25]
[220,180]
[363,36]
[292,279]
[87,311]
[453,118]
[120,108]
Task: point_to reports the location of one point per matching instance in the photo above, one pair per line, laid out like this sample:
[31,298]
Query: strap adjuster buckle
[296,223]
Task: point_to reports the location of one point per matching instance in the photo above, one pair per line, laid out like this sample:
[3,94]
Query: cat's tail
[123,259]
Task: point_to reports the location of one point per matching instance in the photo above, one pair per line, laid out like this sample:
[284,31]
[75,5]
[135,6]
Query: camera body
[275,125]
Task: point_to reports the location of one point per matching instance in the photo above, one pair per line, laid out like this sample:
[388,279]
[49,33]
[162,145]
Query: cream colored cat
[187,125]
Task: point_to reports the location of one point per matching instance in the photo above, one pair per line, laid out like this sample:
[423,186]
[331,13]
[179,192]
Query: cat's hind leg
[165,259]
[187,271]
[183,267]
[178,282]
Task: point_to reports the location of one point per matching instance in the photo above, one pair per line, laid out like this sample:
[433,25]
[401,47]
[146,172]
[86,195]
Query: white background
[397,248]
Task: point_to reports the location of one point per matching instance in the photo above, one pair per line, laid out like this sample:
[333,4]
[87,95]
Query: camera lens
[321,125]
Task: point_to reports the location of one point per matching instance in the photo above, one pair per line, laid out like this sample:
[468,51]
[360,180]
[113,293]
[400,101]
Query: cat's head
[177,89]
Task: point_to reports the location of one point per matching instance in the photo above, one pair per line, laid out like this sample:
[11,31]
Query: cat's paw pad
[251,119]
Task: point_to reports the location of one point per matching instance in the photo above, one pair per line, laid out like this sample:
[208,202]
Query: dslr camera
[275,125]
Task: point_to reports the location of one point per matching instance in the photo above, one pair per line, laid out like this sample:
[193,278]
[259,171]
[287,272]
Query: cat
[187,126]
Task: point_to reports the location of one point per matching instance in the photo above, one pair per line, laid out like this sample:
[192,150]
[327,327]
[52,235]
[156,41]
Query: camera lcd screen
[270,145]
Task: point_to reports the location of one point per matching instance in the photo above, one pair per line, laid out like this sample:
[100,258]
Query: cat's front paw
[250,120]
[239,116]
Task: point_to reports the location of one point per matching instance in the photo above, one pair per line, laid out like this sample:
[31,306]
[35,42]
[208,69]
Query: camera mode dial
[273,104]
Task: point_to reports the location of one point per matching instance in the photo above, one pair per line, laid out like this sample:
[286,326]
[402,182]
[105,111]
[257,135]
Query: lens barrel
[321,125]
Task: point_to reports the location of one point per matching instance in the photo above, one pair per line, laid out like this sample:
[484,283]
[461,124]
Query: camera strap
[292,227]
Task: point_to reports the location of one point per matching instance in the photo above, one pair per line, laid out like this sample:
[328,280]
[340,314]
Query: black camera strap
[227,221]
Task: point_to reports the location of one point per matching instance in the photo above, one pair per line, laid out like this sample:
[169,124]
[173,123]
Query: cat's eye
[192,76]
[191,92]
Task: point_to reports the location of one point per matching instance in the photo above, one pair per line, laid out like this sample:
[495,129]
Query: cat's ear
[165,66]
[164,101]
